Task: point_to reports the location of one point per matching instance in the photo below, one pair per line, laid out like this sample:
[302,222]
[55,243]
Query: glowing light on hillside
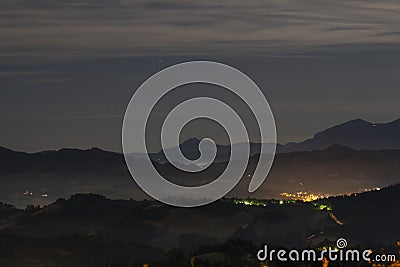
[304,196]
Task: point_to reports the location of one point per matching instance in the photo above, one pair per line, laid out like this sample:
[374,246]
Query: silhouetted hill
[357,134]
[41,178]
[11,161]
[156,224]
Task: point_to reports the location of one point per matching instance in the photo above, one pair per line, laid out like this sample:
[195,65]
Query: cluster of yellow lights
[249,202]
[259,202]
[303,196]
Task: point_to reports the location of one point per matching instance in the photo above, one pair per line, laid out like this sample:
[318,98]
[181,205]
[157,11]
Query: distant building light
[27,193]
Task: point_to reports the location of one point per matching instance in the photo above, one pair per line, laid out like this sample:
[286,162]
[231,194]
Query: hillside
[91,230]
[42,178]
[160,225]
[357,134]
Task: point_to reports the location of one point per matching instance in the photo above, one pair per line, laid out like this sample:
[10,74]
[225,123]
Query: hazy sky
[69,68]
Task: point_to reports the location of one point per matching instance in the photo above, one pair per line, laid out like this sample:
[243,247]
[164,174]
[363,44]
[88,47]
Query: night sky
[69,68]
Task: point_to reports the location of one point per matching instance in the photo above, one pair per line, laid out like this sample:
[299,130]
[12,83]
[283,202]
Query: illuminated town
[304,196]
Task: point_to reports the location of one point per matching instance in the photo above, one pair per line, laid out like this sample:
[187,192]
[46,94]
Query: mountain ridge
[358,134]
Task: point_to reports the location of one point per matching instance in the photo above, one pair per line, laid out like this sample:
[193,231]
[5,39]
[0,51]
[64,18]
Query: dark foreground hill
[370,218]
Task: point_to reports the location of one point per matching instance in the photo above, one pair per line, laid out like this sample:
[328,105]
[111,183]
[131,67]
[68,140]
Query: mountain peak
[359,120]
[338,148]
[354,123]
[355,134]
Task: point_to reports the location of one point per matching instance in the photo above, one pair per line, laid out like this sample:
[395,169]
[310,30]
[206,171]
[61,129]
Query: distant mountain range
[42,178]
[357,134]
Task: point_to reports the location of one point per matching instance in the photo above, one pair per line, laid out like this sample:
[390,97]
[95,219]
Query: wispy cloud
[62,30]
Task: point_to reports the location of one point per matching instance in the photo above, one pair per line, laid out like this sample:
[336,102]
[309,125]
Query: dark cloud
[65,30]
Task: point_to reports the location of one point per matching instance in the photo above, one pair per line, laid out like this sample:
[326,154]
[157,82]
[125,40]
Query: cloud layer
[61,30]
